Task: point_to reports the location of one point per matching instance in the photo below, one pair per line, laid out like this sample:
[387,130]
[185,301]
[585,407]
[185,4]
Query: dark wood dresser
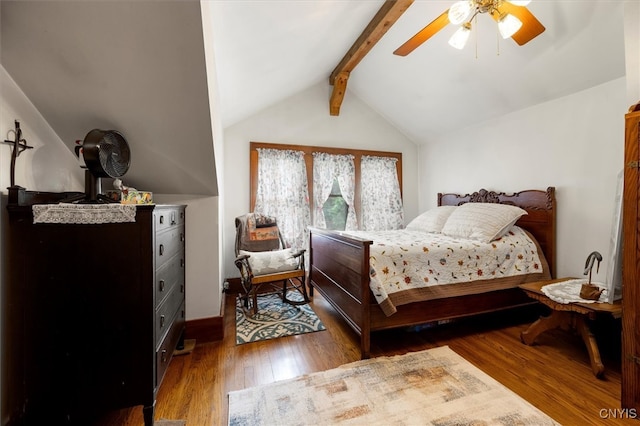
[91,312]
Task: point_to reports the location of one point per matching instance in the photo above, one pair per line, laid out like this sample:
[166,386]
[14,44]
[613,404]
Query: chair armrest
[299,253]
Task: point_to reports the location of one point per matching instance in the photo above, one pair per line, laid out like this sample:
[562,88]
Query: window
[335,209]
[342,188]
[334,182]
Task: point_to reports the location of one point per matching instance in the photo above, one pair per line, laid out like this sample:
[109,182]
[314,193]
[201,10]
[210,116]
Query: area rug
[275,319]
[431,387]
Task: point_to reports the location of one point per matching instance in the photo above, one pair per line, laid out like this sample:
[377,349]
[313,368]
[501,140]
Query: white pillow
[482,221]
[432,220]
[270,262]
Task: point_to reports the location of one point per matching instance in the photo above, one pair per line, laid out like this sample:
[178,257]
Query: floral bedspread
[405,259]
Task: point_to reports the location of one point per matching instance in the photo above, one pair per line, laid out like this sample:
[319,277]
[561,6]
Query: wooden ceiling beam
[388,14]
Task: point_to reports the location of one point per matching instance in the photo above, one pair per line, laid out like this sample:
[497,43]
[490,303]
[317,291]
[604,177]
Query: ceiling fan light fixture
[513,19]
[459,12]
[461,36]
[508,25]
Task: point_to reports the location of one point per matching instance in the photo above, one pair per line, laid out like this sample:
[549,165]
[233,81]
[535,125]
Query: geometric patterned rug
[275,319]
[431,387]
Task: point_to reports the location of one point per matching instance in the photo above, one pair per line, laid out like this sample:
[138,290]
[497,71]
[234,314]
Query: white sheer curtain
[326,169]
[380,194]
[282,193]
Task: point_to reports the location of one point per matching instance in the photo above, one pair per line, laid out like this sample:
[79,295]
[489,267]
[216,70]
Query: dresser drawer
[166,348]
[166,217]
[167,310]
[170,273]
[168,243]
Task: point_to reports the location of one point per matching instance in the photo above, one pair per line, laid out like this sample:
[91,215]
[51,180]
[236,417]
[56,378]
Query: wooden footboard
[340,272]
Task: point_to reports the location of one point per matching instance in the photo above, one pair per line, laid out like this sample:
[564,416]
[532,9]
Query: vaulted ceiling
[138,66]
[269,50]
[133,66]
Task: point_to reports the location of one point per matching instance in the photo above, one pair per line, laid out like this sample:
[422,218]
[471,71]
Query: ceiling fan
[513,18]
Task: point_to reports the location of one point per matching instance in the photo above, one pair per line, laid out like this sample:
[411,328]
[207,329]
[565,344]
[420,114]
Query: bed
[340,270]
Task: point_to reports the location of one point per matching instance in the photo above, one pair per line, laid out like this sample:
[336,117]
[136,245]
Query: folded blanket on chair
[261,227]
[261,221]
[257,232]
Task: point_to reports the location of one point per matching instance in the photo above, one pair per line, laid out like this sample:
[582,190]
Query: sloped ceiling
[133,66]
[269,50]
[138,66]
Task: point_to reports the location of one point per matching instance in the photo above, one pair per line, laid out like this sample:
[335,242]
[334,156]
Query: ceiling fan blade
[531,27]
[423,35]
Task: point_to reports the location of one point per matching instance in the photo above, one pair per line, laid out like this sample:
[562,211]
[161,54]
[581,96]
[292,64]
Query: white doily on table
[569,291]
[84,213]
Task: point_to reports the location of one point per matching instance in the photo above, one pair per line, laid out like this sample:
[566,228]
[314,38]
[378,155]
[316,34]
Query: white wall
[304,119]
[202,273]
[218,141]
[50,166]
[575,143]
[632,50]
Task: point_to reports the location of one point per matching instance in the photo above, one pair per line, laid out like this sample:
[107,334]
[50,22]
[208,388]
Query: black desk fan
[105,153]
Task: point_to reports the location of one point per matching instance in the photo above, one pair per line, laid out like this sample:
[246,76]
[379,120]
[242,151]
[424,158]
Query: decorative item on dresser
[92,311]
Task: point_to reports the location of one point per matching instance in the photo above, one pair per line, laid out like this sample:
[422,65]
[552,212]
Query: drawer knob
[173,218]
[161,219]
[182,237]
[182,263]
[163,355]
[161,320]
[161,249]
[161,285]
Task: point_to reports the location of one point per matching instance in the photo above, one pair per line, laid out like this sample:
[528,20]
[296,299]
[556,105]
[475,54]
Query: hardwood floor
[554,374]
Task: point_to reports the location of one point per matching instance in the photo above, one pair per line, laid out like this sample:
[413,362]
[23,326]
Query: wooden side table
[572,316]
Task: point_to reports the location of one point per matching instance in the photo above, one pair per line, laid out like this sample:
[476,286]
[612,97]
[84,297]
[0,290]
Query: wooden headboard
[540,220]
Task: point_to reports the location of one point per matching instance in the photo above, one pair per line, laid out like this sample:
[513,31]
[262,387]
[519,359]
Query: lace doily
[84,213]
[569,291]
